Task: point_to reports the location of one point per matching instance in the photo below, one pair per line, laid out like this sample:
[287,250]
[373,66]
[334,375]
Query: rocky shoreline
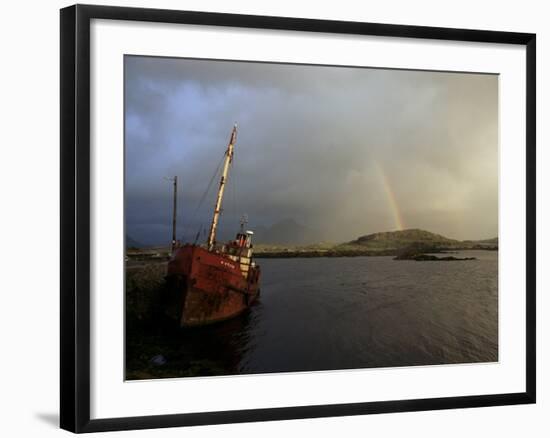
[396,253]
[432,258]
[137,258]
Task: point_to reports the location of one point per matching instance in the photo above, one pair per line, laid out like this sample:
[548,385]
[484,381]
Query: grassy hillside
[402,239]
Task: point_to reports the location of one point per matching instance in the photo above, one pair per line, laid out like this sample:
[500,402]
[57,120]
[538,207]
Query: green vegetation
[389,243]
[403,239]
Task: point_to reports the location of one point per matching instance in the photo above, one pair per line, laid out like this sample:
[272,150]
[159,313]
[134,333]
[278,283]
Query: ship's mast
[174,212]
[174,181]
[225,171]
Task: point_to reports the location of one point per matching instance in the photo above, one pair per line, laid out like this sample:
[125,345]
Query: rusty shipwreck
[212,282]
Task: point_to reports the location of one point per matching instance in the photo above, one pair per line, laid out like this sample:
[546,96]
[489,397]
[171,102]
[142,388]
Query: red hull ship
[211,283]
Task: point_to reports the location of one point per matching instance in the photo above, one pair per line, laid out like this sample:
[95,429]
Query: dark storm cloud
[327,146]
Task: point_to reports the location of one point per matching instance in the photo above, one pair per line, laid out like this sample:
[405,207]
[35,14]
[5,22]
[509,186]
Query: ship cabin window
[240,240]
[232,249]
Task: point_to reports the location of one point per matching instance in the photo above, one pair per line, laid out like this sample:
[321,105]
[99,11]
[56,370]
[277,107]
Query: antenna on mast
[244,221]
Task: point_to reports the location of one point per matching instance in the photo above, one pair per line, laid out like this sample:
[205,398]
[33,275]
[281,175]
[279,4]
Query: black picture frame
[75,217]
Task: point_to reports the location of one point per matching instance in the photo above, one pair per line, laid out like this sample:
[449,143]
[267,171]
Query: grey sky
[343,151]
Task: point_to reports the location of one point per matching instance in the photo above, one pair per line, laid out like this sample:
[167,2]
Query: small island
[423,257]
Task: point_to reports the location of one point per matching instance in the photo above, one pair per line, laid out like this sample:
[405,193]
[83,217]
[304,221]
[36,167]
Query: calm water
[337,313]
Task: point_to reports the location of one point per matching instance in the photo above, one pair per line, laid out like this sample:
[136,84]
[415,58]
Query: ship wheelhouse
[240,251]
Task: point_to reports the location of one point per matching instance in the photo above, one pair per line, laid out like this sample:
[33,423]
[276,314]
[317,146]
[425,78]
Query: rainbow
[392,201]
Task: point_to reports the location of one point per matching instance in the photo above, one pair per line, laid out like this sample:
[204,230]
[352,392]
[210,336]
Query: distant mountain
[403,239]
[286,231]
[131,243]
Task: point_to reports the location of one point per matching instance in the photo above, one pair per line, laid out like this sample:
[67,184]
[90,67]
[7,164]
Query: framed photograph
[268,218]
